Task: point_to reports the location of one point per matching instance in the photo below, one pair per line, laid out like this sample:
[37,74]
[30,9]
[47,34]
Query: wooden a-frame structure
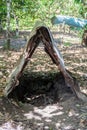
[41,33]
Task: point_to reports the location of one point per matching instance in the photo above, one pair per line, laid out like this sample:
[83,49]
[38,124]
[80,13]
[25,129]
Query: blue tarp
[71,21]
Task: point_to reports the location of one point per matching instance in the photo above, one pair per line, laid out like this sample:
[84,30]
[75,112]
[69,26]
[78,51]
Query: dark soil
[40,88]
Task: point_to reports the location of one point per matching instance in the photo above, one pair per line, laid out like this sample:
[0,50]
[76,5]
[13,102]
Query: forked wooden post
[41,33]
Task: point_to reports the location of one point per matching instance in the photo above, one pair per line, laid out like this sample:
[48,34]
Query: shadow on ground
[38,108]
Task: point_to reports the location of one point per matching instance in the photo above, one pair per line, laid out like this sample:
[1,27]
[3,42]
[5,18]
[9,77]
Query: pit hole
[39,88]
[41,82]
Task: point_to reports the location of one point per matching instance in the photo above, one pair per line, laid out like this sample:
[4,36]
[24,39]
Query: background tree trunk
[8,24]
[17,26]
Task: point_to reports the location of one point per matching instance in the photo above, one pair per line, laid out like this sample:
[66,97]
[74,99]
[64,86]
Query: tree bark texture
[8,23]
[84,38]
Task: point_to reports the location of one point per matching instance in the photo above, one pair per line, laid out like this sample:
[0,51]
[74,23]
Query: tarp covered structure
[41,33]
[71,21]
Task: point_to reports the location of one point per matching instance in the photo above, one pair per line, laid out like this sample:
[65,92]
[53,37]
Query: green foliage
[2,12]
[78,1]
[28,11]
[82,7]
[67,44]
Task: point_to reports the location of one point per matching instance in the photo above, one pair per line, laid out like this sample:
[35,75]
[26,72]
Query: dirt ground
[41,112]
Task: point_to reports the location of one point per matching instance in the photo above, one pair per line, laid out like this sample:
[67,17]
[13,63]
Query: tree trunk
[84,38]
[8,24]
[17,26]
[1,27]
